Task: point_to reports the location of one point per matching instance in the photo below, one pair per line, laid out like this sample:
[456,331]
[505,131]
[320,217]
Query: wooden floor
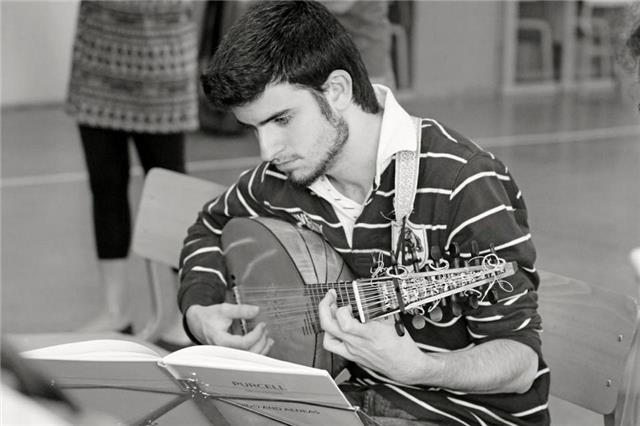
[576,158]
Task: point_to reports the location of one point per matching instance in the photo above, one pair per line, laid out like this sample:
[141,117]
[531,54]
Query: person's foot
[114,315]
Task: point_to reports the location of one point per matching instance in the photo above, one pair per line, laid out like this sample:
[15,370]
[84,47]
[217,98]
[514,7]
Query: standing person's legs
[107,159]
[166,150]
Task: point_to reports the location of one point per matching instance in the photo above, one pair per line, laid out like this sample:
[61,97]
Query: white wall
[457,47]
[37,38]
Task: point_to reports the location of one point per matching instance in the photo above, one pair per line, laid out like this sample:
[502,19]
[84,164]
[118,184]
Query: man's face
[295,134]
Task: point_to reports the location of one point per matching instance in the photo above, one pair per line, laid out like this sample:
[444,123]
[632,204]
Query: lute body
[270,262]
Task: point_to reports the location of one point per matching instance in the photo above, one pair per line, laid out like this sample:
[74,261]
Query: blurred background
[535,82]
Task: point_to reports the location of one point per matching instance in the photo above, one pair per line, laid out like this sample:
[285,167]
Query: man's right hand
[211,325]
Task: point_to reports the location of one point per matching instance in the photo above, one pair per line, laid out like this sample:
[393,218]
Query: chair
[542,28]
[631,406]
[169,204]
[589,334]
[401,57]
[596,46]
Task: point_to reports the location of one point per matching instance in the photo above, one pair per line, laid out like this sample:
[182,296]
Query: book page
[214,356]
[106,349]
[94,364]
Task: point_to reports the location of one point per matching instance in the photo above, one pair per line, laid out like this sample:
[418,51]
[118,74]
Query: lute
[286,270]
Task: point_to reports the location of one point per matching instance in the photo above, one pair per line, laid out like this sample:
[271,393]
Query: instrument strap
[406,181]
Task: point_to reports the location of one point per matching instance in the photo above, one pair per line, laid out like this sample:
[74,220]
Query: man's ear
[339,89]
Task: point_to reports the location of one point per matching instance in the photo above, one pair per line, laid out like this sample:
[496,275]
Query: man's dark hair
[633,47]
[296,42]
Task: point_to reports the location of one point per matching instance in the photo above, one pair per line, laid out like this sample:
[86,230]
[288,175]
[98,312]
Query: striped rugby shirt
[464,193]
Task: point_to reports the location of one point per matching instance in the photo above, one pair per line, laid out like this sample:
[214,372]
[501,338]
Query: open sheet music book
[194,385]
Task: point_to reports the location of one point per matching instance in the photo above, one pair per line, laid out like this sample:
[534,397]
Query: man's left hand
[375,344]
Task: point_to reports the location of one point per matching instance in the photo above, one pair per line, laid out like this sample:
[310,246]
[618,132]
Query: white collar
[397,133]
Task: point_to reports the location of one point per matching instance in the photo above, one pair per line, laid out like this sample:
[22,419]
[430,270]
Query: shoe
[170,346]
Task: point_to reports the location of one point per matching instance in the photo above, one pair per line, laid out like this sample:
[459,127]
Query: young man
[329,142]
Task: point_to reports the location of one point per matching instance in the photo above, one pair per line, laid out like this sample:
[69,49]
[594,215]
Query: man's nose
[269,143]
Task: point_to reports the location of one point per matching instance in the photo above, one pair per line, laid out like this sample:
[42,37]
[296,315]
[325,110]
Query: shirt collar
[397,132]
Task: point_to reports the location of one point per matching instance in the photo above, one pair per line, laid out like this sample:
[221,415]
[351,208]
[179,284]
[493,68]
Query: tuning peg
[456,309]
[418,322]
[473,301]
[435,314]
[436,255]
[474,248]
[475,252]
[493,295]
[454,253]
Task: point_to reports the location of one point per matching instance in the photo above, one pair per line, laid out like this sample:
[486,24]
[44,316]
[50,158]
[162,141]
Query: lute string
[300,301]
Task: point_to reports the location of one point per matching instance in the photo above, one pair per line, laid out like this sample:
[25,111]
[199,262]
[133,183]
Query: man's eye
[282,120]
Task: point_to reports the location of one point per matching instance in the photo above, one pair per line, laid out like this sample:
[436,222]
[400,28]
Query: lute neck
[369,298]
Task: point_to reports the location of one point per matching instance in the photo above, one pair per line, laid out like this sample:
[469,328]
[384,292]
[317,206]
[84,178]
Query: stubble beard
[340,130]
